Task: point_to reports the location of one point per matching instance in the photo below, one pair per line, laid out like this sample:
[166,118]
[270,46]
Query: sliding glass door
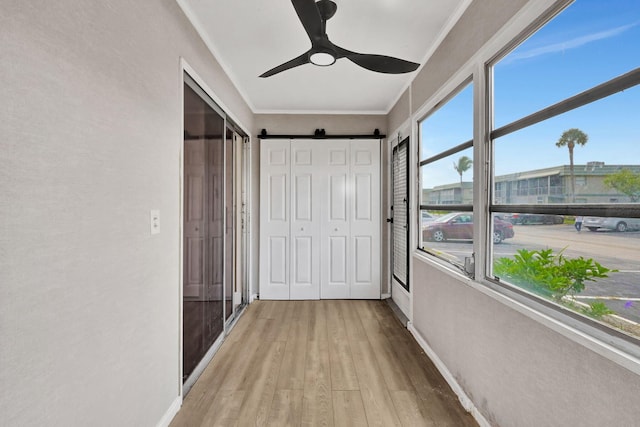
[204,229]
[229,238]
[215,192]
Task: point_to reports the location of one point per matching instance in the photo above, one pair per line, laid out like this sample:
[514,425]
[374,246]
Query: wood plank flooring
[321,363]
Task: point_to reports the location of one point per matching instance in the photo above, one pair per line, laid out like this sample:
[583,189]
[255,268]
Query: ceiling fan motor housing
[327,9]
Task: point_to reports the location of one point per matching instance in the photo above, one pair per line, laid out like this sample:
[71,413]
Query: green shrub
[551,275]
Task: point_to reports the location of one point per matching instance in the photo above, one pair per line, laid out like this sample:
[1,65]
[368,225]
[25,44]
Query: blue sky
[589,43]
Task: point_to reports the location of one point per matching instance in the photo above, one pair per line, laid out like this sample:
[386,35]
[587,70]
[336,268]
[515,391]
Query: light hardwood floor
[326,363]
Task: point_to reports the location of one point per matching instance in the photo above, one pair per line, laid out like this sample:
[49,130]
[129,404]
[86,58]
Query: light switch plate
[155,221]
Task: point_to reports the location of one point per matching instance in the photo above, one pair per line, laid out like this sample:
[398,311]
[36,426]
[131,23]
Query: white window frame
[602,340]
[454,87]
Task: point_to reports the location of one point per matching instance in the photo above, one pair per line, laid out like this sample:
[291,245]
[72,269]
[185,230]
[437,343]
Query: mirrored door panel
[204,230]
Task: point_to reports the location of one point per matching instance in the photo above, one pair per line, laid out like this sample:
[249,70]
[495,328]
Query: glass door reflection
[204,212]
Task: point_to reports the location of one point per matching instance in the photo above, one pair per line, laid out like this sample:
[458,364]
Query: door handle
[390,220]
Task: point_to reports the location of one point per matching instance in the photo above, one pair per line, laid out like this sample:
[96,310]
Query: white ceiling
[249,37]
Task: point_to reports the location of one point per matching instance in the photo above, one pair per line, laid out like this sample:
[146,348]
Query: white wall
[90,139]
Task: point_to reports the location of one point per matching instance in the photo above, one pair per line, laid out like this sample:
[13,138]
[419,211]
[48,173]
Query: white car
[594,223]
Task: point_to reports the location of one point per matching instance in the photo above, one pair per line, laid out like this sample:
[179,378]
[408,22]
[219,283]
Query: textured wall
[481,20]
[517,371]
[400,112]
[90,139]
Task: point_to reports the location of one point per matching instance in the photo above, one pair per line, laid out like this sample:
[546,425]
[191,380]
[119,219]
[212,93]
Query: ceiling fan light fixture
[313,15]
[322,58]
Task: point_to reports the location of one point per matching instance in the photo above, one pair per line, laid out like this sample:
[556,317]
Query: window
[589,43]
[446,171]
[566,177]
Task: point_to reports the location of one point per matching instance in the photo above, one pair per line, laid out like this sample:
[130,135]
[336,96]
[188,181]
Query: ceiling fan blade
[310,18]
[378,63]
[295,62]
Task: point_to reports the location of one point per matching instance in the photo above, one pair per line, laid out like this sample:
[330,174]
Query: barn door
[320,219]
[305,225]
[335,213]
[364,245]
[275,170]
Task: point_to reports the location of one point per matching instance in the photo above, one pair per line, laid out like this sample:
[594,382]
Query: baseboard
[466,402]
[399,314]
[171,412]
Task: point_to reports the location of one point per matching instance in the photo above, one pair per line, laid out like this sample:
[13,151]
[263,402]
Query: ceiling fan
[314,16]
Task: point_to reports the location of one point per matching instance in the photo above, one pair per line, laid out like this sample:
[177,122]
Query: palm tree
[463,165]
[570,138]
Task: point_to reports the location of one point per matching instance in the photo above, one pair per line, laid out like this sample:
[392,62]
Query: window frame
[608,342]
[603,90]
[628,344]
[459,87]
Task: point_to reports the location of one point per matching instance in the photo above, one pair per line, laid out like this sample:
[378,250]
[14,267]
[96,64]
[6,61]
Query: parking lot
[614,250]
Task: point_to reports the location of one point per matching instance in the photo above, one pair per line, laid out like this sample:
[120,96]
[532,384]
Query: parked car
[595,223]
[459,226]
[426,218]
[523,218]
